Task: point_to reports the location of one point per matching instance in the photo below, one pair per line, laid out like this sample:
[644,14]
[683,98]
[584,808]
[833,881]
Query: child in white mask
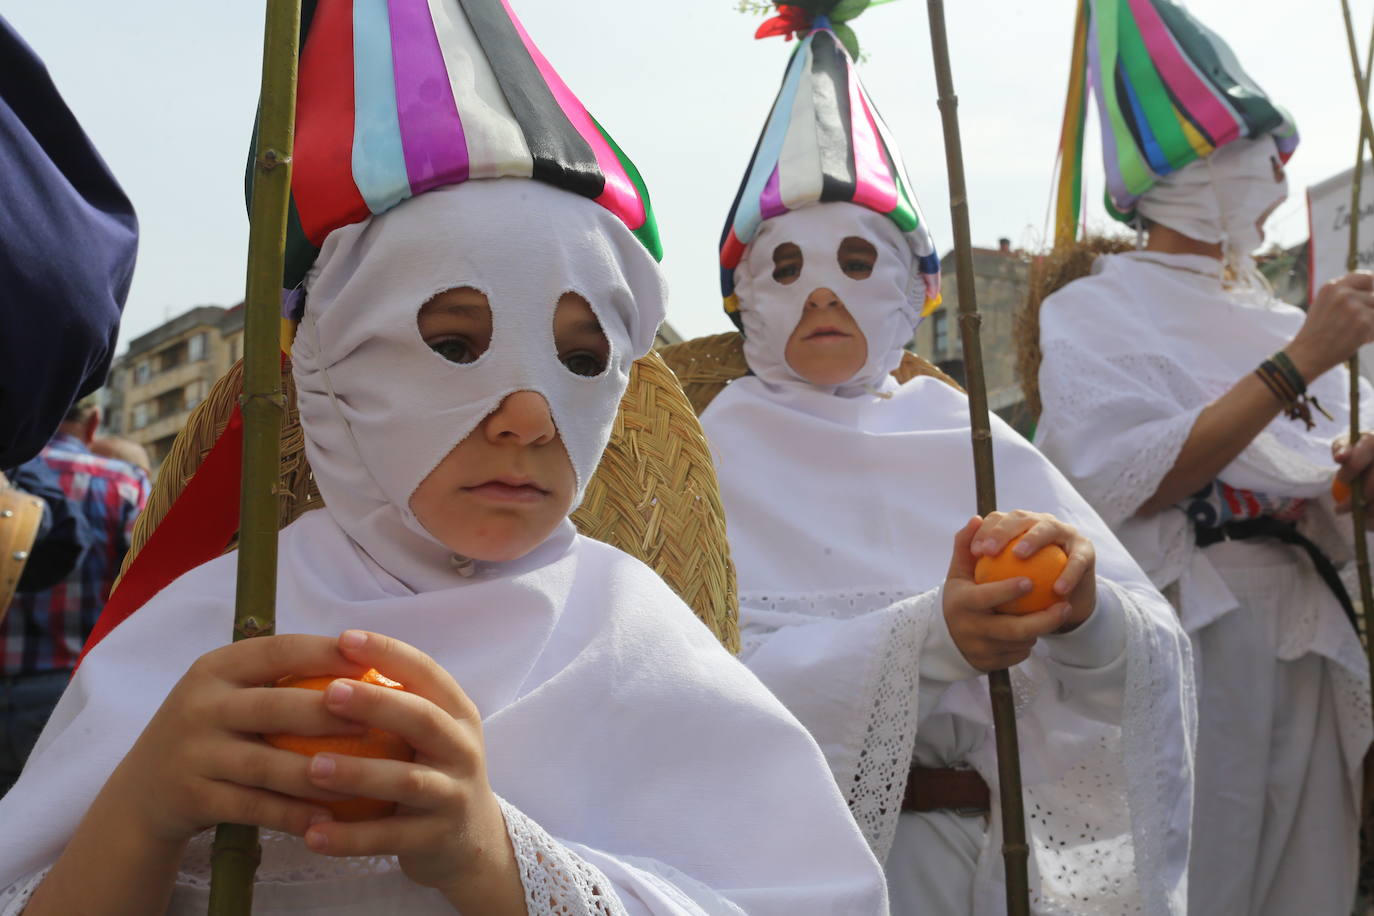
[842,490]
[577,731]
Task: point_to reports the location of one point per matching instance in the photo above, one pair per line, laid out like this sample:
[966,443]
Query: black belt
[1266,526]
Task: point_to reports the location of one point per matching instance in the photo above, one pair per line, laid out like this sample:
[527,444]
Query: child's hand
[987,639]
[1077,584]
[448,831]
[200,760]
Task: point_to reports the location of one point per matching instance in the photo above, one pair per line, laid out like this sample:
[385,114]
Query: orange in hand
[375,743]
[1340,490]
[1043,568]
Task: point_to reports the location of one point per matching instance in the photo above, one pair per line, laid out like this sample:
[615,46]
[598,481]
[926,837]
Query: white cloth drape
[614,722]
[1131,356]
[841,514]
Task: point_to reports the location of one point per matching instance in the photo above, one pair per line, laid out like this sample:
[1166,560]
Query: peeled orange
[1043,568]
[375,743]
[1340,490]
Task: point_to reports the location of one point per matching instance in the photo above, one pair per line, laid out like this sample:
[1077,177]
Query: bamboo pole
[236,849]
[1015,851]
[1357,492]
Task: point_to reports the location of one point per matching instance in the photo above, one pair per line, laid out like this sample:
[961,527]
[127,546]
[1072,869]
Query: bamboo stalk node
[269,159]
[275,398]
[252,627]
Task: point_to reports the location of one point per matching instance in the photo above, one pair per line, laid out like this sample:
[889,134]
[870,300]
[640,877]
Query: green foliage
[847,38]
[840,13]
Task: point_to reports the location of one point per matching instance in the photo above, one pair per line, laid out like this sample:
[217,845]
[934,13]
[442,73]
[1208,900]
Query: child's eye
[584,362]
[785,272]
[453,349]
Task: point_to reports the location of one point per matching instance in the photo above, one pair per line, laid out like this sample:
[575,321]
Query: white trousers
[1275,827]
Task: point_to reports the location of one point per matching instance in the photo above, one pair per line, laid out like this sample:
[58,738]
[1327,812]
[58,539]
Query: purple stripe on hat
[1116,185]
[770,201]
[436,150]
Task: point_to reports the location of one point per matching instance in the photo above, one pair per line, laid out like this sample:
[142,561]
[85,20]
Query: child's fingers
[282,710]
[999,528]
[962,561]
[229,803]
[991,595]
[251,662]
[401,834]
[403,662]
[257,765]
[1082,558]
[1018,629]
[1045,531]
[429,729]
[413,785]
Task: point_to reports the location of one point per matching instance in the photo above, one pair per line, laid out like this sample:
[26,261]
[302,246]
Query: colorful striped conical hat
[397,97]
[1169,91]
[824,141]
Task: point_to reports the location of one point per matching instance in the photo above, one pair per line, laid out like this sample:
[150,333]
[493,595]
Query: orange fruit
[1043,568]
[375,743]
[1340,490]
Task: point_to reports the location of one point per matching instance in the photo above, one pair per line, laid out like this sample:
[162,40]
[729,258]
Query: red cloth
[195,530]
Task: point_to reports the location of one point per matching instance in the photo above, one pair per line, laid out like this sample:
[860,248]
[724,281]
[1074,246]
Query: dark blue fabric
[68,237]
[65,534]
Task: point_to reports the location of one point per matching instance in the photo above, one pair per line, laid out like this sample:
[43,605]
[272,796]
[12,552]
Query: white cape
[841,514]
[1132,354]
[632,753]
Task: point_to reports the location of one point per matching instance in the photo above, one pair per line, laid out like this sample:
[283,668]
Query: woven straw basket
[706,365]
[654,495]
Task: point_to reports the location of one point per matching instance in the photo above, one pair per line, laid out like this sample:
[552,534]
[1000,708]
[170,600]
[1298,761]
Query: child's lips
[826,331]
[508,490]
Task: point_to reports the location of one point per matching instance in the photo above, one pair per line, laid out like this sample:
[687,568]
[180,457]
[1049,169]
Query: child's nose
[522,418]
[822,297]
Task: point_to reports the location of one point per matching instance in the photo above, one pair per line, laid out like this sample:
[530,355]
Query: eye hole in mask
[857,257]
[787,263]
[456,324]
[582,345]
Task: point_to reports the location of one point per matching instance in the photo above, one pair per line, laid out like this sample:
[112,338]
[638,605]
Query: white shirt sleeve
[942,664]
[1089,663]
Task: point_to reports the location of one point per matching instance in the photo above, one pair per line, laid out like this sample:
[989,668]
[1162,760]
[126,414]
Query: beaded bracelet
[1288,387]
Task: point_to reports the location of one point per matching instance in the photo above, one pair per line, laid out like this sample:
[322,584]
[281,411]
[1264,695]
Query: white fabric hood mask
[380,410]
[886,304]
[1221,198]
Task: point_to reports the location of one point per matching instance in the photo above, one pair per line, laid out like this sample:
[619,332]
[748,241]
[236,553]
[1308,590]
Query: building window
[195,347]
[939,326]
[195,393]
[140,416]
[142,373]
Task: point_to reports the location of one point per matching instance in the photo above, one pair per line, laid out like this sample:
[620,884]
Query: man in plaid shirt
[42,635]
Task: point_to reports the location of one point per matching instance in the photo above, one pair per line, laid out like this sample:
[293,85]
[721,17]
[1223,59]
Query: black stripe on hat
[561,156]
[834,131]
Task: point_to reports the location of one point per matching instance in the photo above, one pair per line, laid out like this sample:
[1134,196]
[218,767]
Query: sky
[167,92]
